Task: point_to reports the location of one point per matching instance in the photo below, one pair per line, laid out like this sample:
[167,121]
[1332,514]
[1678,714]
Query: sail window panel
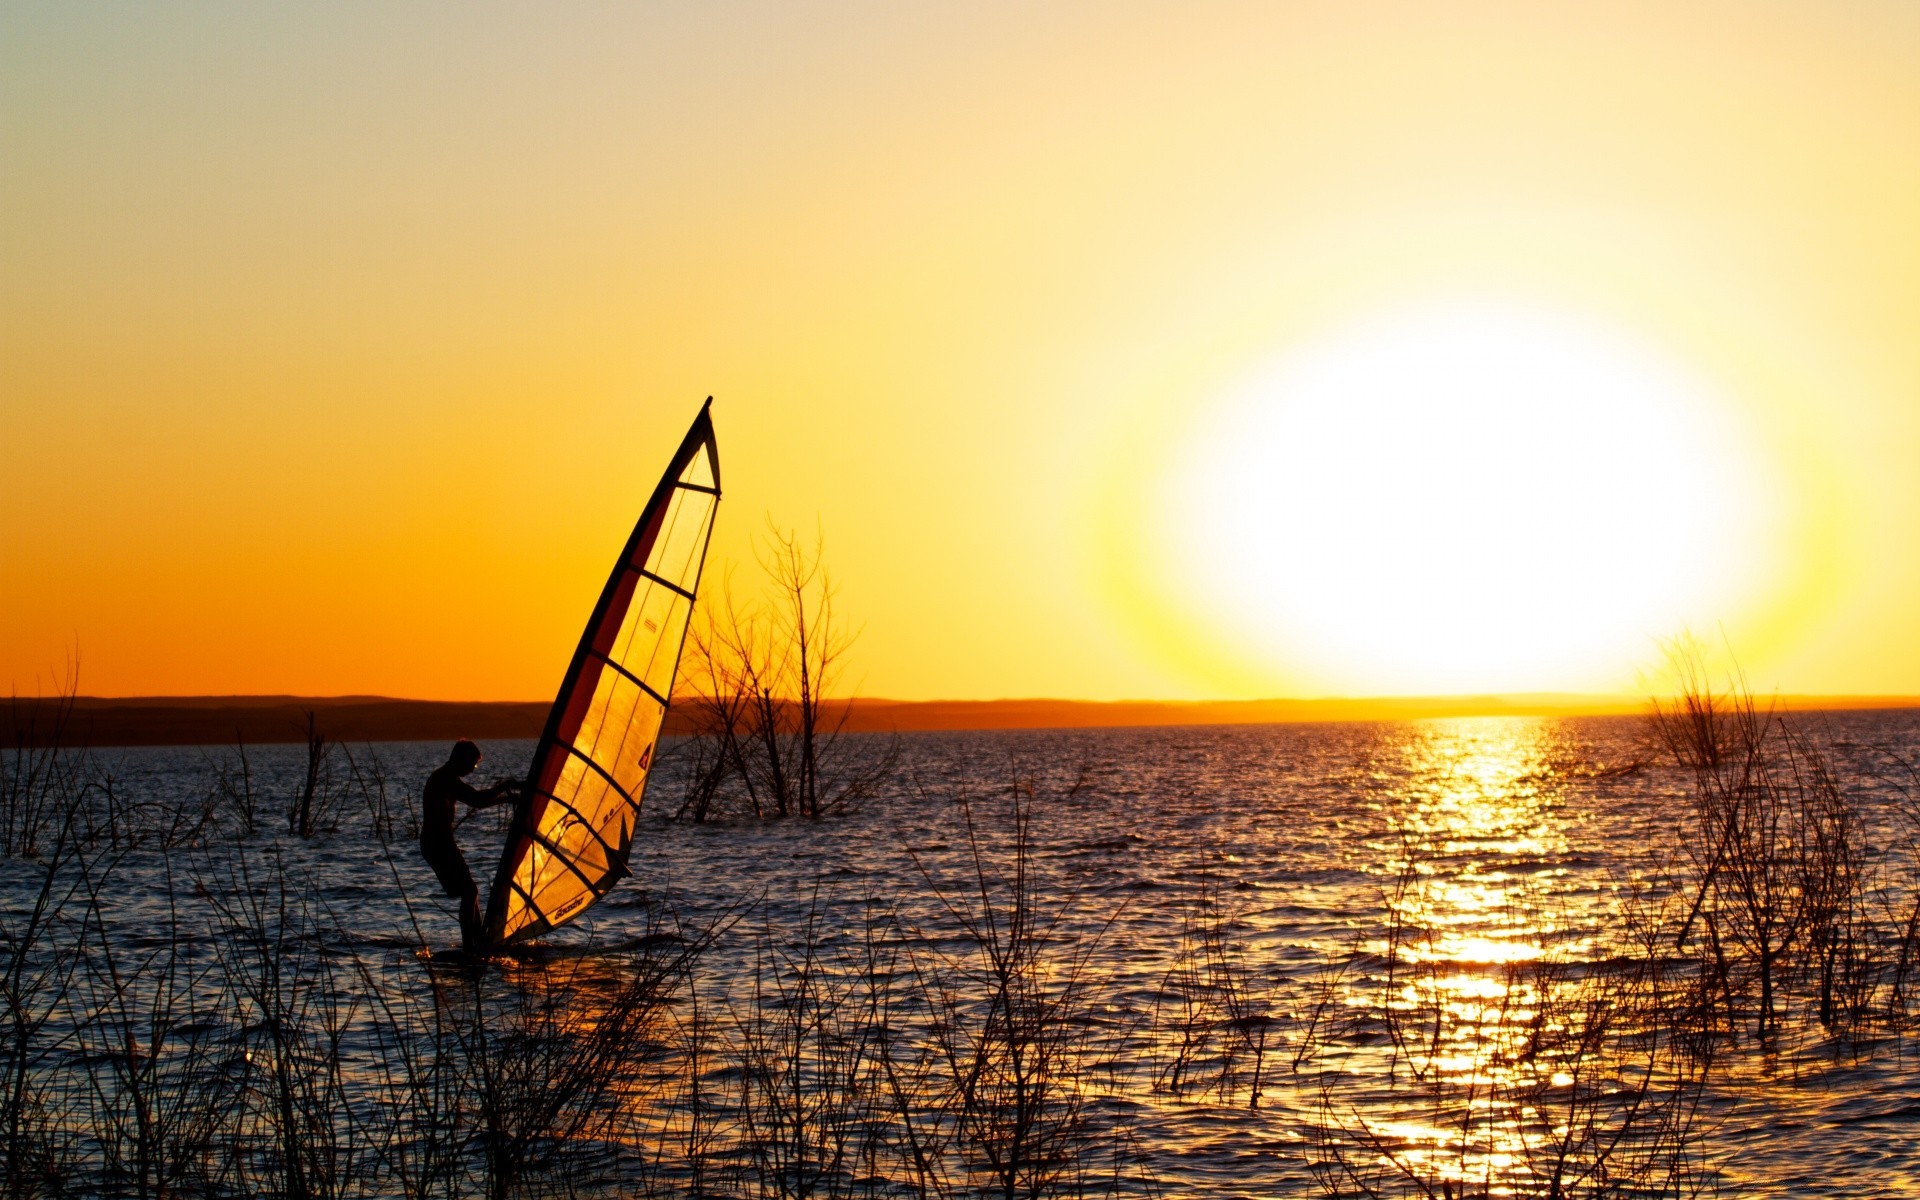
[678,549]
[582,861]
[618,702]
[635,756]
[561,894]
[519,917]
[654,659]
[541,886]
[574,782]
[531,868]
[591,838]
[524,874]
[537,857]
[580,844]
[552,871]
[587,792]
[651,630]
[699,472]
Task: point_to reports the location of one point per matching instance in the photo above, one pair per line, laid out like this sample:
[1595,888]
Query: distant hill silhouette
[218,720]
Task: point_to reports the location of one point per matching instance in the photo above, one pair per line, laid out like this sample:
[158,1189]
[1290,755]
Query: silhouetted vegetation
[1544,1074]
[1784,913]
[245,1045]
[761,684]
[232,1038]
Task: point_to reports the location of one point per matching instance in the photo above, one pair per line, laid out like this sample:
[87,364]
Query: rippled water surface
[1297,850]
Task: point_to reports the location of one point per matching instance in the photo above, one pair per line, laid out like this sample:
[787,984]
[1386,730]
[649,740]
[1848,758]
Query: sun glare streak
[1471,907]
[1472,844]
[1476,497]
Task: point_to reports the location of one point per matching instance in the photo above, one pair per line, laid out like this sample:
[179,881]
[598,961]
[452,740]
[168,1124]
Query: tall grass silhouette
[967,1036]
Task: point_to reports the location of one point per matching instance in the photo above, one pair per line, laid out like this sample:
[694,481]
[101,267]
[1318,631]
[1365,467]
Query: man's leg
[470,925]
[451,867]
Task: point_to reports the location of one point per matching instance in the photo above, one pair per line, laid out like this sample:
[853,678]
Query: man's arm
[502,792]
[499,793]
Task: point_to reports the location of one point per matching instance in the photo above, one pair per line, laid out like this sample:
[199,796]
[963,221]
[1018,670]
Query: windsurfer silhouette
[444,787]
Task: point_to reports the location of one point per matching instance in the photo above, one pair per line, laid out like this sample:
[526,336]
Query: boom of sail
[573,829]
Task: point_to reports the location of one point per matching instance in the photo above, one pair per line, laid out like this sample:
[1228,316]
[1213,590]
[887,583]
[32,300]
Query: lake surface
[1270,864]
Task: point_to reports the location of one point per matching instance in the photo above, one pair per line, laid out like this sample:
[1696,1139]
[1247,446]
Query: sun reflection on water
[1477,827]
[1468,864]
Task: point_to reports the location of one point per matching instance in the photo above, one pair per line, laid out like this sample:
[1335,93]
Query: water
[1269,864]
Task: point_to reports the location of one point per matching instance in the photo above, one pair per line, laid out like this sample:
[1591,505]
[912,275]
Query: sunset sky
[1182,351]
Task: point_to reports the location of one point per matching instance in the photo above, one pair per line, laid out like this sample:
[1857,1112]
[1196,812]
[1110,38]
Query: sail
[573,828]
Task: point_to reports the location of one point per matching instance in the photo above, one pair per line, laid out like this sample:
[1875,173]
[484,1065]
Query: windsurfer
[444,787]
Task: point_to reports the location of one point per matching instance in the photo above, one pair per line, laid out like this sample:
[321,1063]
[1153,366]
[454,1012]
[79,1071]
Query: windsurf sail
[573,828]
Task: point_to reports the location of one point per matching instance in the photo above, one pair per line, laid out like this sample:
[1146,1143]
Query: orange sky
[340,345]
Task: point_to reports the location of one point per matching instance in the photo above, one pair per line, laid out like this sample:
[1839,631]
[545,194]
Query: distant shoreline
[257,720]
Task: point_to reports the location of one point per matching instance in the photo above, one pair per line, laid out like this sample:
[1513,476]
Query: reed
[38,978]
[1013,1009]
[156,1076]
[233,792]
[44,778]
[867,1051]
[553,1057]
[419,1098]
[295,1133]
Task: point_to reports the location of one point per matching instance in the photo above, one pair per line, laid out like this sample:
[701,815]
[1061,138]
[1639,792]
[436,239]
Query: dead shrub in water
[715,704]
[307,809]
[804,1053]
[554,1054]
[1014,1024]
[1548,1077]
[1778,877]
[758,680]
[1217,1012]
[233,792]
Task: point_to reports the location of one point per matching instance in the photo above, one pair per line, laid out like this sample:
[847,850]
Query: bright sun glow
[1466,498]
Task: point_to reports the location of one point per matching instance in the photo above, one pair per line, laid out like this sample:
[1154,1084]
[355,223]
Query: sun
[1465,497]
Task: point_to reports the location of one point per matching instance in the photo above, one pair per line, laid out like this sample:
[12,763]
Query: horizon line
[208,720]
[1847,699]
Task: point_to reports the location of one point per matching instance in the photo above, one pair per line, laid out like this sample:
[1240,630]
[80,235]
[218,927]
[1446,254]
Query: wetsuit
[444,788]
